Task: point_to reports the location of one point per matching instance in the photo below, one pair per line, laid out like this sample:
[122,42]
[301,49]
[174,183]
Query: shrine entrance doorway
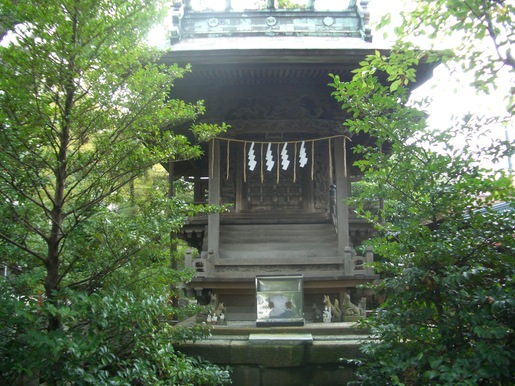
[276,191]
[290,191]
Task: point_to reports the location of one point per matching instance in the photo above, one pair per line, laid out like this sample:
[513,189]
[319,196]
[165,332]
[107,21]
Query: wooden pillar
[342,193]
[239,183]
[213,229]
[197,190]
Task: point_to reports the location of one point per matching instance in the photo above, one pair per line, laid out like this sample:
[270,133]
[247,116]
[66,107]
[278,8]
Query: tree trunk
[51,287]
[52,280]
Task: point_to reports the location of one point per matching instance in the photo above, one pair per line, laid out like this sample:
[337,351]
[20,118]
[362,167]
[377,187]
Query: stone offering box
[279,300]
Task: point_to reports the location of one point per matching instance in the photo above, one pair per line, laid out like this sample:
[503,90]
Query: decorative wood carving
[321,178]
[277,108]
[277,268]
[322,127]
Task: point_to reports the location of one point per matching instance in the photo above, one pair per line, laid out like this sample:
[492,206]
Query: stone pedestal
[352,318]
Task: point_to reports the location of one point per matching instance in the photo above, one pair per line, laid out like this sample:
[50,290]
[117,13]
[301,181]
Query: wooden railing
[350,21]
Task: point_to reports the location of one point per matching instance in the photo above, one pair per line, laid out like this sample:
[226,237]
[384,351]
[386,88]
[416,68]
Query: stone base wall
[280,357]
[313,375]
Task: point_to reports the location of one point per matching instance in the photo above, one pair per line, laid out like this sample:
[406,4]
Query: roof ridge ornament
[352,22]
[364,14]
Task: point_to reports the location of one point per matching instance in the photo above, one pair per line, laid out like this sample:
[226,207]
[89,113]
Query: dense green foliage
[446,253]
[110,337]
[447,258]
[83,111]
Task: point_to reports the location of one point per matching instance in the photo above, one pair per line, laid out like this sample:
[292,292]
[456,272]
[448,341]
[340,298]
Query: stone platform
[286,356]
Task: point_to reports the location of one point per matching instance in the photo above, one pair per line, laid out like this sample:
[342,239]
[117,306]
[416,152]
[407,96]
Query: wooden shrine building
[285,164]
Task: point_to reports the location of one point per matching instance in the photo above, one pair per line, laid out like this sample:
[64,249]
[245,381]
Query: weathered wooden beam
[342,193]
[213,228]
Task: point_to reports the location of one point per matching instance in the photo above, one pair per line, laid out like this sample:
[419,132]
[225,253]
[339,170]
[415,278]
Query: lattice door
[272,193]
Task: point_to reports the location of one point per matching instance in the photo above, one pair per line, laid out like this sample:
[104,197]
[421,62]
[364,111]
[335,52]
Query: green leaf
[395,85]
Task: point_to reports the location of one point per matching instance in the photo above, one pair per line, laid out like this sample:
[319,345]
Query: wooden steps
[279,242]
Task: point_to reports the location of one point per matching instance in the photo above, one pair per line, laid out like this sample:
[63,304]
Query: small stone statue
[327,315]
[349,308]
[220,309]
[363,306]
[334,308]
[211,312]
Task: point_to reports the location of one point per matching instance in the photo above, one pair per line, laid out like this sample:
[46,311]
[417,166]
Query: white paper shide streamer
[284,159]
[303,159]
[269,158]
[252,158]
[285,162]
